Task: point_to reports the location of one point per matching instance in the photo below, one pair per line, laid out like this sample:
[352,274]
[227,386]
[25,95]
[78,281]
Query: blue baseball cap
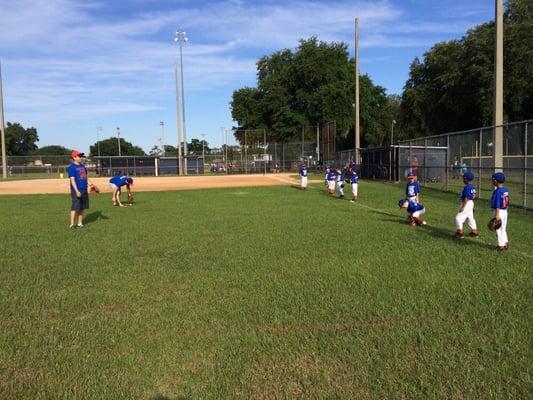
[469,176]
[129,180]
[498,177]
[401,202]
[410,174]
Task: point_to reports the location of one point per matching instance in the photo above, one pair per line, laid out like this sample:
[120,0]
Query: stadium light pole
[98,131]
[181,38]
[162,123]
[203,146]
[392,132]
[391,152]
[118,140]
[2,129]
[178,121]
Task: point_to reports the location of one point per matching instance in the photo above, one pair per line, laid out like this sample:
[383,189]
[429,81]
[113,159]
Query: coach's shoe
[72,226]
[80,225]
[459,234]
[474,233]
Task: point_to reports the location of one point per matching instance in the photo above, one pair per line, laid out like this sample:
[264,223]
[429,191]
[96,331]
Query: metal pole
[245,154]
[226,139]
[479,162]
[118,139]
[98,130]
[162,138]
[356,61]
[317,143]
[498,87]
[447,160]
[525,167]
[2,129]
[265,152]
[178,119]
[181,37]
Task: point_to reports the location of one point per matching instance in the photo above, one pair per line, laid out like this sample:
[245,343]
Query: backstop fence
[439,161]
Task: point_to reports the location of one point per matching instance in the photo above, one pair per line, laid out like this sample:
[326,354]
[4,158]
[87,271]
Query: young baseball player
[330,180]
[412,189]
[354,181]
[79,183]
[466,210]
[116,184]
[303,176]
[500,203]
[339,179]
[414,211]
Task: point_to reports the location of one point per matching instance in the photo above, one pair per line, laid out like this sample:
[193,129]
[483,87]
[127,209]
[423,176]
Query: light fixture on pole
[118,140]
[162,139]
[181,37]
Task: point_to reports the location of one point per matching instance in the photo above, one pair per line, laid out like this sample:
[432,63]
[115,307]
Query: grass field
[261,293]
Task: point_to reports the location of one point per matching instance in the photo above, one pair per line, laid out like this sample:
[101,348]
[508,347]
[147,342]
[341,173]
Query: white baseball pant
[466,215]
[502,232]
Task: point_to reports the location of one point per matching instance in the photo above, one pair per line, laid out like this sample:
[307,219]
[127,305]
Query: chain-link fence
[439,161]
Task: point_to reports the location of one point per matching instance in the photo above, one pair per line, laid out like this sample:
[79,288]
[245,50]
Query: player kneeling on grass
[116,184]
[414,211]
[303,176]
[466,210]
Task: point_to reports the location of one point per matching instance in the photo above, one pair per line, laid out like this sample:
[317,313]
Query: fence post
[245,155]
[479,172]
[525,166]
[265,151]
[425,161]
[447,162]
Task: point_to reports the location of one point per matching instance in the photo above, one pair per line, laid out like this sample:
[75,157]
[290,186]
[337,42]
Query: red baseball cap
[76,153]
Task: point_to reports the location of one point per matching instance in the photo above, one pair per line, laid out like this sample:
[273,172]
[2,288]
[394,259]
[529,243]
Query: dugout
[146,165]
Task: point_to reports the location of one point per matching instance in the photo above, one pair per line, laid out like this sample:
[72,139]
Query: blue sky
[70,66]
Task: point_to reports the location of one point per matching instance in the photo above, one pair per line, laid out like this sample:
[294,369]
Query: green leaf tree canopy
[19,140]
[109,147]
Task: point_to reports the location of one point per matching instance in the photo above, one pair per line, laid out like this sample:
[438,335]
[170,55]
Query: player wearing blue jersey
[500,204]
[116,184]
[330,180]
[354,181]
[412,189]
[79,183]
[414,211]
[339,180]
[303,177]
[466,209]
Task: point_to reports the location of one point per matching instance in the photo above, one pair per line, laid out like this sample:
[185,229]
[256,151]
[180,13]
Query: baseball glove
[95,189]
[130,198]
[494,223]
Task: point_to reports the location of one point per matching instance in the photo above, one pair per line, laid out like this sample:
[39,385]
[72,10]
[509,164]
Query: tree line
[449,89]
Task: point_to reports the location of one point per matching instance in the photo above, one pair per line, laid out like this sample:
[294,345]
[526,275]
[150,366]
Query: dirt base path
[144,184]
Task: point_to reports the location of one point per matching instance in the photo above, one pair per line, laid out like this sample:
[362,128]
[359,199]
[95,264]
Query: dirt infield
[46,186]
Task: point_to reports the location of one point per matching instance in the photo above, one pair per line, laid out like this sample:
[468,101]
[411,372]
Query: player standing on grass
[330,180]
[412,189]
[354,181]
[79,183]
[500,203]
[303,176]
[116,184]
[339,177]
[466,210]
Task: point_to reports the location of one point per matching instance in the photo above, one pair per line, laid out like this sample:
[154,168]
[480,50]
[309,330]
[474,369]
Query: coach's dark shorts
[79,203]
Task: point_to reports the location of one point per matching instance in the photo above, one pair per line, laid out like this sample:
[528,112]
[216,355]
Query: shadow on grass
[94,216]
[159,397]
[434,231]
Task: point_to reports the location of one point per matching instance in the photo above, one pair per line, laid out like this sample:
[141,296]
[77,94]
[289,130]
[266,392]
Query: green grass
[261,293]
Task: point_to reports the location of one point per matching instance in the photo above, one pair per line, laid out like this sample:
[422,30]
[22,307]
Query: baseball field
[261,292]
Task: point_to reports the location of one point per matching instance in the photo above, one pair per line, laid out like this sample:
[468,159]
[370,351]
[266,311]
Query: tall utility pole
[118,140]
[356,111]
[203,147]
[498,88]
[2,129]
[178,119]
[181,37]
[162,138]
[98,130]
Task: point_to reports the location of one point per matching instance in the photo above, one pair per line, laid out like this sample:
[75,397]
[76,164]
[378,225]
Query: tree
[196,146]
[20,141]
[109,147]
[53,150]
[452,87]
[156,151]
[313,85]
